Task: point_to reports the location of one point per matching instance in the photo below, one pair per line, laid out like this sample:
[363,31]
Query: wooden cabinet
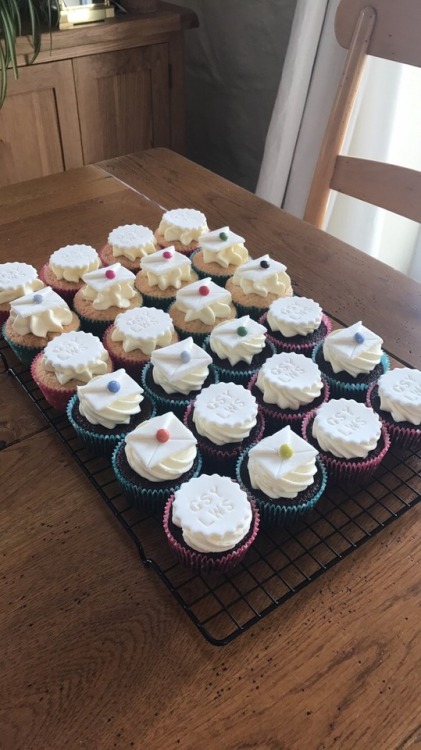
[100,91]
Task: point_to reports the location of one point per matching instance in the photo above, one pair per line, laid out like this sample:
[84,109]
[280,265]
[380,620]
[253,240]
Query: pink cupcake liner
[277,418]
[66,294]
[133,369]
[346,471]
[304,347]
[101,255]
[58,399]
[407,438]
[202,562]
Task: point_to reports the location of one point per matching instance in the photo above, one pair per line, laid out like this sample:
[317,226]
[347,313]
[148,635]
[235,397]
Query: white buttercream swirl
[225,413]
[227,250]
[346,354]
[161,461]
[294,316]
[109,408]
[72,261]
[227,343]
[279,476]
[164,272]
[104,292]
[180,368]
[132,241]
[76,356]
[213,512]
[289,380]
[206,308]
[253,278]
[17,280]
[184,225]
[143,328]
[400,394]
[48,315]
[346,428]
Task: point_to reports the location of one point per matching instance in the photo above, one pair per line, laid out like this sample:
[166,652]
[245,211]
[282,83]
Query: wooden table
[95,652]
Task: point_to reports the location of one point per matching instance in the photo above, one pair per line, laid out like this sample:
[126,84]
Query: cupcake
[162,275]
[106,293]
[238,348]
[287,388]
[350,439]
[68,361]
[127,245]
[258,283]
[296,324]
[34,320]
[66,267]
[154,460]
[225,419]
[351,359]
[199,307]
[104,410]
[219,255]
[396,398]
[175,374]
[135,335]
[16,280]
[183,228]
[210,524]
[283,475]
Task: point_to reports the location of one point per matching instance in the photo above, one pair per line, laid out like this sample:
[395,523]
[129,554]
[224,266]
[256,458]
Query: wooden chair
[390,29]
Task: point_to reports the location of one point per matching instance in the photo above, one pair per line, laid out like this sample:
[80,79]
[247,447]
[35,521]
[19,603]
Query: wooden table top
[96,653]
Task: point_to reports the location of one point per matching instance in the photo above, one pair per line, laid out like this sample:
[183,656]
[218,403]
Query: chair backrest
[390,29]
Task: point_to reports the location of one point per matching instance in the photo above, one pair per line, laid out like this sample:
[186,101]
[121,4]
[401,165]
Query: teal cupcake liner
[254,312]
[341,389]
[198,338]
[97,327]
[24,353]
[162,303]
[272,512]
[164,402]
[141,493]
[230,374]
[220,279]
[102,444]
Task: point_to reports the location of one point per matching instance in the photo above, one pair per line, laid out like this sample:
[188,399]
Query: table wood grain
[95,653]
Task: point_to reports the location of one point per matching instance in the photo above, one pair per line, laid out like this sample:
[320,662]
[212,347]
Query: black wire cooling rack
[280,562]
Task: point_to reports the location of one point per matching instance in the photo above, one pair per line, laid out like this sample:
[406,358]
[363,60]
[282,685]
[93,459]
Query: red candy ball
[110,274]
[204,290]
[162,435]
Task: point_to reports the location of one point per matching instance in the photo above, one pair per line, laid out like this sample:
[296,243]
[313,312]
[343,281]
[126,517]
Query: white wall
[234,65]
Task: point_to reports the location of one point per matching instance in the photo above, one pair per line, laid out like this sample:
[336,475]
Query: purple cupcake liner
[277,418]
[341,389]
[66,294]
[273,512]
[217,458]
[142,494]
[348,471]
[406,437]
[307,344]
[207,563]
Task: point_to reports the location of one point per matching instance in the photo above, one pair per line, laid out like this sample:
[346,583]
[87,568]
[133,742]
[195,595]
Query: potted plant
[17,17]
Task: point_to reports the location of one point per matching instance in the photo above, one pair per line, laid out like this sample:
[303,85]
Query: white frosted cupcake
[296,324]
[67,361]
[256,284]
[162,275]
[210,524]
[175,375]
[155,459]
[128,244]
[16,280]
[225,419]
[396,398]
[183,228]
[199,307]
[352,360]
[219,255]
[135,334]
[105,294]
[66,267]
[238,349]
[283,476]
[288,387]
[350,439]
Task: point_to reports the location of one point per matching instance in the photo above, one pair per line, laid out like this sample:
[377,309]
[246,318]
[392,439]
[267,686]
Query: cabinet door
[39,129]
[123,101]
